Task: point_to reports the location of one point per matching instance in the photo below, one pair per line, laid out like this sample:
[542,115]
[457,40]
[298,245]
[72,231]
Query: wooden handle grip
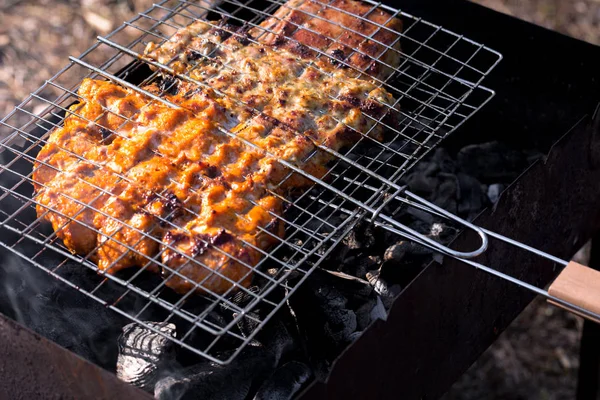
[579,285]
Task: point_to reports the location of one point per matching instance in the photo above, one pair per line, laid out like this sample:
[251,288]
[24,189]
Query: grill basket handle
[578,285]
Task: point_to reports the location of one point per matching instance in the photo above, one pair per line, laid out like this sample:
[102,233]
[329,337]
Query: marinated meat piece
[288,98]
[155,180]
[357,33]
[196,192]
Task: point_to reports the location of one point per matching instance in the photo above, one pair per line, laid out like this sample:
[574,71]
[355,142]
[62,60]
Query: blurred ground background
[536,358]
[577,18]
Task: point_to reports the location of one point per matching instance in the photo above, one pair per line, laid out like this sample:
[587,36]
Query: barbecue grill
[436,111]
[437,87]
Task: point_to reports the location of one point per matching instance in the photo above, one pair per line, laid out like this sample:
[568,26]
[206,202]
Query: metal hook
[424,240]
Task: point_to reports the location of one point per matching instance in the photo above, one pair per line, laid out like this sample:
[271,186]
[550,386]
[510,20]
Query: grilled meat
[359,34]
[290,99]
[169,182]
[196,192]
[344,33]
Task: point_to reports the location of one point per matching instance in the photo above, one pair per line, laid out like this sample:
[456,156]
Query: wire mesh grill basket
[436,86]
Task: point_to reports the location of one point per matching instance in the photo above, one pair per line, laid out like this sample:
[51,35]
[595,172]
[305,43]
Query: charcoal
[395,252]
[360,264]
[324,316]
[437,229]
[378,311]
[446,193]
[399,251]
[494,191]
[171,388]
[361,237]
[209,380]
[443,160]
[387,293]
[423,216]
[248,323]
[142,353]
[423,183]
[354,336]
[373,260]
[340,322]
[285,382]
[242,297]
[363,314]
[441,232]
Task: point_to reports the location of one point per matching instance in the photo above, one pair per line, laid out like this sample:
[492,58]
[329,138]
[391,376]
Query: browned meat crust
[171,187]
[361,35]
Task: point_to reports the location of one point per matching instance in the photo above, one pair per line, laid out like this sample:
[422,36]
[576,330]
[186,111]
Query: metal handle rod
[575,289]
[569,306]
[441,212]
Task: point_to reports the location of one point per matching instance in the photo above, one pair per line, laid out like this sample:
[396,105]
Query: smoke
[54,310]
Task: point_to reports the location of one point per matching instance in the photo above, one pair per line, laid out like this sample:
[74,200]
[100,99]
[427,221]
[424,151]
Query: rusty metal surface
[31,367]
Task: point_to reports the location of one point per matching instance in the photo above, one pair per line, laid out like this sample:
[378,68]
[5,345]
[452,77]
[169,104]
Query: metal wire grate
[436,87]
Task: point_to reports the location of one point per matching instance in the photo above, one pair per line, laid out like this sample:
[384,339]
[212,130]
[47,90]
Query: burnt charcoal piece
[434,179]
[359,265]
[362,237]
[446,192]
[397,252]
[379,310]
[442,233]
[404,259]
[324,316]
[387,293]
[170,388]
[142,353]
[363,314]
[285,382]
[248,323]
[207,381]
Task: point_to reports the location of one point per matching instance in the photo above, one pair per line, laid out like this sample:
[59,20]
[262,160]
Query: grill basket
[436,88]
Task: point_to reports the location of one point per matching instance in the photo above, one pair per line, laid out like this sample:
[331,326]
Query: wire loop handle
[576,289]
